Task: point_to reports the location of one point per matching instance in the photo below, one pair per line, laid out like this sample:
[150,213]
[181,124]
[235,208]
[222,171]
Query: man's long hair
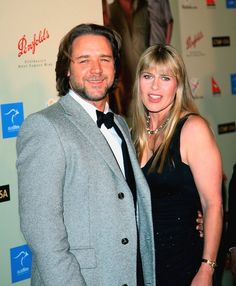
[65,51]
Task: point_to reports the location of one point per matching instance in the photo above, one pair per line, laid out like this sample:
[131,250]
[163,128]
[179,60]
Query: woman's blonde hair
[167,58]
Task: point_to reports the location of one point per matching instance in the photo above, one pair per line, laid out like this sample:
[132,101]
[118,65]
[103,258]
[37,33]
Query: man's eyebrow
[81,57]
[87,56]
[106,56]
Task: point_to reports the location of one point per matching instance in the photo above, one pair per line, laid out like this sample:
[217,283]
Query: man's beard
[82,93]
[85,95]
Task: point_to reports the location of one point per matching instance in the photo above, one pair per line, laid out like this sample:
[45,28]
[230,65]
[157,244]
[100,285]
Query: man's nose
[96,67]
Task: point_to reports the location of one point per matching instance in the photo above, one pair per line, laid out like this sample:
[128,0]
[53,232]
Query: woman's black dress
[175,202]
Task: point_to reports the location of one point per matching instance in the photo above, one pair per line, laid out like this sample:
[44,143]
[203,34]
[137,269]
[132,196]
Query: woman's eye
[165,78]
[147,76]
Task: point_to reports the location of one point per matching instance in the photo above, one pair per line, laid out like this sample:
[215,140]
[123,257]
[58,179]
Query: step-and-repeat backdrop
[30,35]
[204,32]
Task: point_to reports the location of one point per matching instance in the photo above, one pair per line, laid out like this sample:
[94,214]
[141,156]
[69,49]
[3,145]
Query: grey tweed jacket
[71,213]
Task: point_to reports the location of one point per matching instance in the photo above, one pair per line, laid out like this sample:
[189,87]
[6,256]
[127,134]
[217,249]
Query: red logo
[210,2]
[25,46]
[192,41]
[215,87]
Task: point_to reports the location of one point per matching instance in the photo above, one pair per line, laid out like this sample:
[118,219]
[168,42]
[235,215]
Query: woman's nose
[155,83]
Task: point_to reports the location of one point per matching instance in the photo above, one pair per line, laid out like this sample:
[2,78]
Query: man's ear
[68,73]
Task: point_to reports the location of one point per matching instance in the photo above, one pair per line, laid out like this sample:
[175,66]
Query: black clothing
[175,202]
[232,210]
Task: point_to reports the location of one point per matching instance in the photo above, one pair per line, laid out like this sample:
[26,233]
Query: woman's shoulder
[196,130]
[194,122]
[197,140]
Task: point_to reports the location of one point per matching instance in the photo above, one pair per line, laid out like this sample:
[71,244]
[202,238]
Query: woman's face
[158,88]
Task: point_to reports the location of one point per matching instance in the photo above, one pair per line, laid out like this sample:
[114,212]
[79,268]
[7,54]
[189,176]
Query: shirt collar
[89,108]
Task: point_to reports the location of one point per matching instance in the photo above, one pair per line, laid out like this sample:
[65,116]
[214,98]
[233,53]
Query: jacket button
[121,196]
[125,285]
[124,240]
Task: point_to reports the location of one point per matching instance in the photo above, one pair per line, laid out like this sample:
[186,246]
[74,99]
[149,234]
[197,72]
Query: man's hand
[200,225]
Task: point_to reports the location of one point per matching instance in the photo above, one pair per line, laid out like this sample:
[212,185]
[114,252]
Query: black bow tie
[107,119]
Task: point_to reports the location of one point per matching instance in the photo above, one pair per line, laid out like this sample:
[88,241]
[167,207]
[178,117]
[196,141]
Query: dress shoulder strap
[175,145]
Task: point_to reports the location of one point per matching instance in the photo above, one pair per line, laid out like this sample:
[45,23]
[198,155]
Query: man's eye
[105,60]
[82,61]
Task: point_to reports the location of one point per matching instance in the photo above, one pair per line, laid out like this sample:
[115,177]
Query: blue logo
[231,3]
[21,263]
[12,118]
[233,83]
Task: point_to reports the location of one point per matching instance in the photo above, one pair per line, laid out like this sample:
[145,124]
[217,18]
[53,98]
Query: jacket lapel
[81,119]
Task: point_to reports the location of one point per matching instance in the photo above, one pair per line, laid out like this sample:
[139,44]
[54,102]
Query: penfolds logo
[25,46]
[192,41]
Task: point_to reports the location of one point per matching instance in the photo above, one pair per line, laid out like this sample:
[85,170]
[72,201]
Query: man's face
[91,70]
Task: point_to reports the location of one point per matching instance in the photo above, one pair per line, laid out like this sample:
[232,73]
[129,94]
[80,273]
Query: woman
[182,164]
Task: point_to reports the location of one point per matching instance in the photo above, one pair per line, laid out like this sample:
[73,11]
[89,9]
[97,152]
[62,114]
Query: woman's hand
[203,276]
[200,223]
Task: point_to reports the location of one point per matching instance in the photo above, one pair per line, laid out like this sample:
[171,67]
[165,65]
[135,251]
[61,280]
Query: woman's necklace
[158,129]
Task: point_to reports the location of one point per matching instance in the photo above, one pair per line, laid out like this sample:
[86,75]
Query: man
[161,21]
[231,231]
[77,212]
